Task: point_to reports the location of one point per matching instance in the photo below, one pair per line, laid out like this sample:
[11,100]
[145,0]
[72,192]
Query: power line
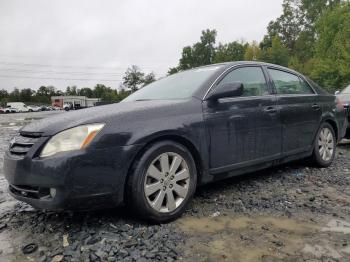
[59,78]
[71,58]
[56,72]
[64,66]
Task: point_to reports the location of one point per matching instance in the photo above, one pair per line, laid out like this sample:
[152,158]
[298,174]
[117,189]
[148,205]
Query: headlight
[72,139]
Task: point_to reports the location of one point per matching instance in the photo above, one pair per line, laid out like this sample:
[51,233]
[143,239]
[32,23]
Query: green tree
[201,53]
[99,90]
[252,52]
[276,54]
[71,91]
[173,70]
[287,27]
[15,95]
[86,91]
[44,93]
[26,95]
[230,52]
[123,94]
[296,29]
[133,78]
[4,96]
[332,49]
[313,9]
[149,78]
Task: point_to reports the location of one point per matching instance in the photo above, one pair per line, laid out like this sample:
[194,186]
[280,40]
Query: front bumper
[84,179]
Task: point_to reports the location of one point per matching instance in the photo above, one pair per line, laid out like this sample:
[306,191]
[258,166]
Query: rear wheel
[162,182]
[325,146]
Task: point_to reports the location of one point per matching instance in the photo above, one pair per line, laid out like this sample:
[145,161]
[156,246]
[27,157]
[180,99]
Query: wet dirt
[263,238]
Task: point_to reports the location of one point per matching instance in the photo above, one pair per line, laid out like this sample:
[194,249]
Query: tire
[325,157]
[155,207]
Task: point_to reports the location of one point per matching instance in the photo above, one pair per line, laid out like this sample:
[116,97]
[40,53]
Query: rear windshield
[346,90]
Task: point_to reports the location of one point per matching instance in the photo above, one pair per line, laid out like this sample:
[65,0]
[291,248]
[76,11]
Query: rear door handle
[271,110]
[316,107]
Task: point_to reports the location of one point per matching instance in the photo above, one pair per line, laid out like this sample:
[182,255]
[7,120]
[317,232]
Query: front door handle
[270,110]
[316,107]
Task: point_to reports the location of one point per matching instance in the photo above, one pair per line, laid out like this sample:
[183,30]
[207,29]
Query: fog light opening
[52,192]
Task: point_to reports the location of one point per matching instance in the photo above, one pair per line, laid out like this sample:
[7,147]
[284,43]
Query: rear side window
[287,83]
[253,80]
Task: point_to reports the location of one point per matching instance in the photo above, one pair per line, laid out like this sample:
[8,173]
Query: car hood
[122,112]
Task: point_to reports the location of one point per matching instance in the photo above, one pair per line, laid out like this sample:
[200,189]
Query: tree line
[310,36]
[133,79]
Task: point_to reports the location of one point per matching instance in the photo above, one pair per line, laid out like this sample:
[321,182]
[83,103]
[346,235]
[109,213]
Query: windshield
[346,90]
[178,86]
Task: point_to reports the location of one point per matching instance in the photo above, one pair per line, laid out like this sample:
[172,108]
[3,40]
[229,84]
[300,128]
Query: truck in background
[18,106]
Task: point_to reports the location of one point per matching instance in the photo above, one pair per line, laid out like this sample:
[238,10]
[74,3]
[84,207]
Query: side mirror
[337,92]
[225,90]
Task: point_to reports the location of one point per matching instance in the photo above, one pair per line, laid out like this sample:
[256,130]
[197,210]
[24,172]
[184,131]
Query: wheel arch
[175,138]
[334,125]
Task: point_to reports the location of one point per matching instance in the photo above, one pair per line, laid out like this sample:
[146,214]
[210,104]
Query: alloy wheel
[326,144]
[167,182]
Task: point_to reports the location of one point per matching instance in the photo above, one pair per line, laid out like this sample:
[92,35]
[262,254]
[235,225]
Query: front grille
[29,191]
[21,144]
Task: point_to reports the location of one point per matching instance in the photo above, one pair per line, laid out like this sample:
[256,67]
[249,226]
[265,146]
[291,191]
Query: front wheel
[162,182]
[325,146]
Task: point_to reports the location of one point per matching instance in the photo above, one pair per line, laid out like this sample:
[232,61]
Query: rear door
[299,108]
[245,129]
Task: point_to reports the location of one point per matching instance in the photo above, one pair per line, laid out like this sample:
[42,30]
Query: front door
[245,129]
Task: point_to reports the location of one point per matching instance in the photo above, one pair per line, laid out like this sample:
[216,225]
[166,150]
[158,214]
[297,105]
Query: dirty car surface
[152,149]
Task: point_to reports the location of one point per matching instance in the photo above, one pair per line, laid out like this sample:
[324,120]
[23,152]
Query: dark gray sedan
[154,148]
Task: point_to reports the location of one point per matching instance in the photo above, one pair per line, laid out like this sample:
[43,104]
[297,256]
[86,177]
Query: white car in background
[9,109]
[34,108]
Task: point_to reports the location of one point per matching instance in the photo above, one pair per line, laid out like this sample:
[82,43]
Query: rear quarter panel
[332,112]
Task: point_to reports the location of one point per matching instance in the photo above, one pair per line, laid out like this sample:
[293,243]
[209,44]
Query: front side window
[287,83]
[252,78]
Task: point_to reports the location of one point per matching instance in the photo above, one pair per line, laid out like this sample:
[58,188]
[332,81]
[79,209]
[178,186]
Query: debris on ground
[289,213]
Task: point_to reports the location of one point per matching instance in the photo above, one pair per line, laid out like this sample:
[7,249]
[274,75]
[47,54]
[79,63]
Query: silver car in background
[344,98]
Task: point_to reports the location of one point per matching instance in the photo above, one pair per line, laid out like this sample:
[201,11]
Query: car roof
[230,64]
[227,65]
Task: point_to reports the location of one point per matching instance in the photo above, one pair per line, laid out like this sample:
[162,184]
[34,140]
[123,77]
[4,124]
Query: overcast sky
[66,42]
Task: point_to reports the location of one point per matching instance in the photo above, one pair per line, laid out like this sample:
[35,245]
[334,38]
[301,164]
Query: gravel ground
[288,213]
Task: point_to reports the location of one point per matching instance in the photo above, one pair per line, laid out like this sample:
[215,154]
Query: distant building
[76,101]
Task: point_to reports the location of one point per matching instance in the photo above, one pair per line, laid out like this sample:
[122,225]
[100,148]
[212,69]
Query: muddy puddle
[19,122]
[263,238]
